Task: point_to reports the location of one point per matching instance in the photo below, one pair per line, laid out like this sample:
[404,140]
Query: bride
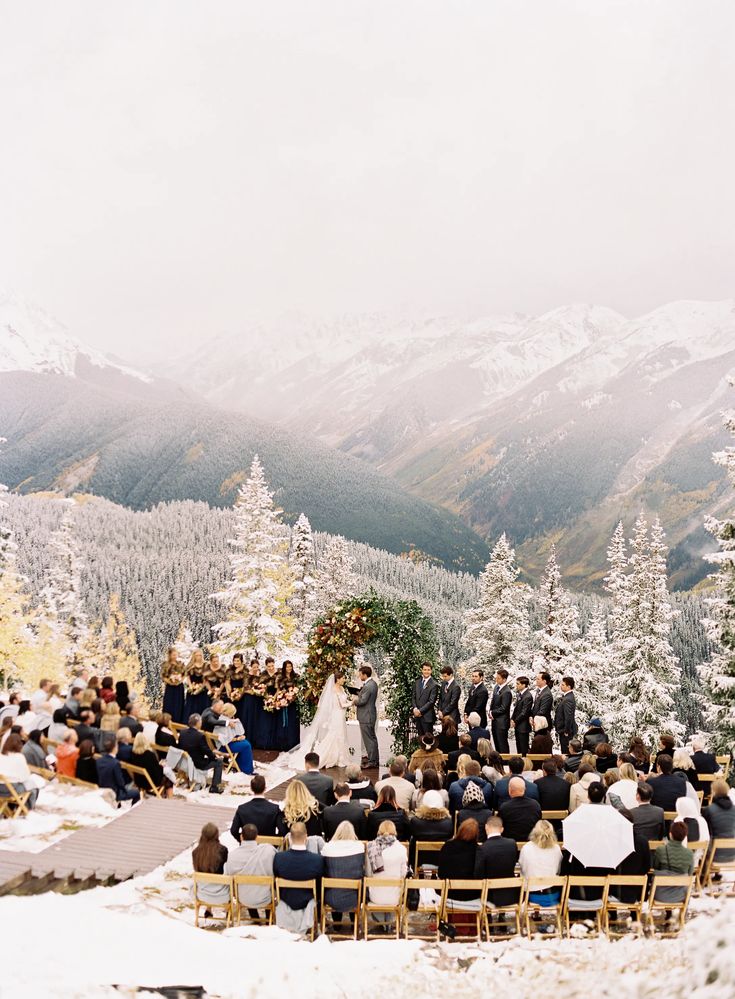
[327,734]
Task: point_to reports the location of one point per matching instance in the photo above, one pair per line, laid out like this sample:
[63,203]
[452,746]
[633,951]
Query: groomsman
[521,719]
[543,702]
[500,705]
[477,698]
[448,703]
[565,721]
[425,693]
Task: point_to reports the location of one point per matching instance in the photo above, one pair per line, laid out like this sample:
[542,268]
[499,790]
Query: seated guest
[360,787]
[300,807]
[496,859]
[704,763]
[344,857]
[257,811]
[193,742]
[131,719]
[447,739]
[86,763]
[296,910]
[458,858]
[637,749]
[107,690]
[430,781]
[125,745]
[386,858]
[720,817]
[477,730]
[493,768]
[667,786]
[521,813]
[666,746]
[254,860]
[637,862]
[229,732]
[72,703]
[474,807]
[387,810]
[67,754]
[10,710]
[541,857]
[606,759]
[594,734]
[465,748]
[144,757]
[648,819]
[58,728]
[210,715]
[578,794]
[14,768]
[111,717]
[33,751]
[165,736]
[397,780]
[97,707]
[673,857]
[574,757]
[457,788]
[515,767]
[625,792]
[684,767]
[86,729]
[110,774]
[150,722]
[541,743]
[320,785]
[344,810]
[432,821]
[428,751]
[403,760]
[122,694]
[553,790]
[687,811]
[209,857]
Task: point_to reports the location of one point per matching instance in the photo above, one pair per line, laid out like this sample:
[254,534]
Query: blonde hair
[462,762]
[387,828]
[345,830]
[590,759]
[140,743]
[113,708]
[682,760]
[196,659]
[720,788]
[86,697]
[110,721]
[627,772]
[484,748]
[543,835]
[610,777]
[527,765]
[229,711]
[299,804]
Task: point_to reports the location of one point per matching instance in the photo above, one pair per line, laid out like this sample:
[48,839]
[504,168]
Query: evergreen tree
[594,676]
[718,674]
[256,596]
[497,629]
[185,643]
[303,569]
[62,595]
[335,578]
[118,648]
[557,639]
[617,585]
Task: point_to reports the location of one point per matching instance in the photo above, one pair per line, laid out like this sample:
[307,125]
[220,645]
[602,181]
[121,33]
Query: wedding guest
[122,694]
[687,811]
[494,767]
[210,715]
[33,750]
[496,859]
[606,758]
[594,735]
[124,745]
[295,911]
[474,807]
[465,749]
[252,859]
[521,813]
[257,811]
[476,730]
[704,763]
[14,768]
[541,743]
[109,772]
[386,859]
[319,784]
[553,790]
[58,728]
[344,857]
[430,781]
[667,786]
[625,792]
[397,780]
[673,856]
[209,857]
[515,769]
[574,759]
[144,757]
[666,746]
[360,787]
[638,751]
[720,817]
[67,753]
[301,807]
[458,857]
[343,810]
[131,718]
[107,690]
[192,741]
[111,717]
[229,732]
[387,810]
[432,821]
[164,733]
[428,751]
[541,857]
[448,739]
[473,775]
[86,763]
[684,767]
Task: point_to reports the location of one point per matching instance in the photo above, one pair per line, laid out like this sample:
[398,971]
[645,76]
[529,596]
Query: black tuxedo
[543,704]
[424,698]
[266,816]
[565,722]
[448,703]
[477,701]
[500,705]
[553,793]
[522,720]
[496,858]
[344,811]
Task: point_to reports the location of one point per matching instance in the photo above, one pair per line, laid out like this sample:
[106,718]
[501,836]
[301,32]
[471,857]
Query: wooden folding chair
[618,916]
[500,925]
[282,883]
[713,866]
[537,915]
[16,802]
[145,785]
[666,906]
[337,932]
[423,846]
[707,780]
[276,841]
[200,881]
[245,880]
[592,907]
[471,907]
[554,815]
[428,912]
[724,763]
[230,760]
[374,908]
[699,848]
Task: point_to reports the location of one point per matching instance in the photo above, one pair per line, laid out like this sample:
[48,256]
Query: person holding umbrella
[597,838]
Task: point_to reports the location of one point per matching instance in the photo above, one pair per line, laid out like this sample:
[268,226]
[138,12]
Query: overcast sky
[169,169]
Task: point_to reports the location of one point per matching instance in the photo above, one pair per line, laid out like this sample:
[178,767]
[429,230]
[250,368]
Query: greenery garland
[403,631]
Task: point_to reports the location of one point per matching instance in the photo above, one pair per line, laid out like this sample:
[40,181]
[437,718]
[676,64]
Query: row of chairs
[481,918]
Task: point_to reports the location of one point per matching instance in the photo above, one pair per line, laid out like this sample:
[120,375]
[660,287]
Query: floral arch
[405,635]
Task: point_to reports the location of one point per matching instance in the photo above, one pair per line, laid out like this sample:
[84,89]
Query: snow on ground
[61,809]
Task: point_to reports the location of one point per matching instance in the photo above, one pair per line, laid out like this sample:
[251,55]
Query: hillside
[67,435]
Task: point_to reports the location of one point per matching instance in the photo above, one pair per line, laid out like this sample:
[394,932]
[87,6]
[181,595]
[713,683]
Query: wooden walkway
[144,837]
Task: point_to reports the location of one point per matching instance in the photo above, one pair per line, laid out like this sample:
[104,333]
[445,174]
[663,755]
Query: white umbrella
[598,835]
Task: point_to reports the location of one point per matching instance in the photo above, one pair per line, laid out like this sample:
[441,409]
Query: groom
[367,715]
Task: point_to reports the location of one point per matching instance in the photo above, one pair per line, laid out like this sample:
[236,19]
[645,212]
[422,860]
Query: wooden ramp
[148,835]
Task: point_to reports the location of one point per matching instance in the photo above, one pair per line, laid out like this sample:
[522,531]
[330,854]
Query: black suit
[344,811]
[522,720]
[496,858]
[194,743]
[553,793]
[454,756]
[565,722]
[666,789]
[648,821]
[704,763]
[425,694]
[519,816]
[477,701]
[266,816]
[500,705]
[543,704]
[448,703]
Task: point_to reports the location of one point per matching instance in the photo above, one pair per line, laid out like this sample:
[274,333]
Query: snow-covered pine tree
[718,675]
[617,585]
[647,671]
[497,629]
[303,569]
[557,640]
[62,595]
[335,578]
[185,643]
[594,675]
[255,598]
[118,649]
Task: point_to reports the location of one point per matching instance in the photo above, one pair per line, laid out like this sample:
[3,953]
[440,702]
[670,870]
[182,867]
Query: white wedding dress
[327,734]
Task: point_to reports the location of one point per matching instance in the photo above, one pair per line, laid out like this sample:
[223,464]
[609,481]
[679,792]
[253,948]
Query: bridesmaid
[235,682]
[197,698]
[265,721]
[215,677]
[251,701]
[172,676]
[287,718]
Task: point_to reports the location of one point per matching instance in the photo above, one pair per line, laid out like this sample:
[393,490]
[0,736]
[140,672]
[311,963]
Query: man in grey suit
[425,693]
[366,702]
